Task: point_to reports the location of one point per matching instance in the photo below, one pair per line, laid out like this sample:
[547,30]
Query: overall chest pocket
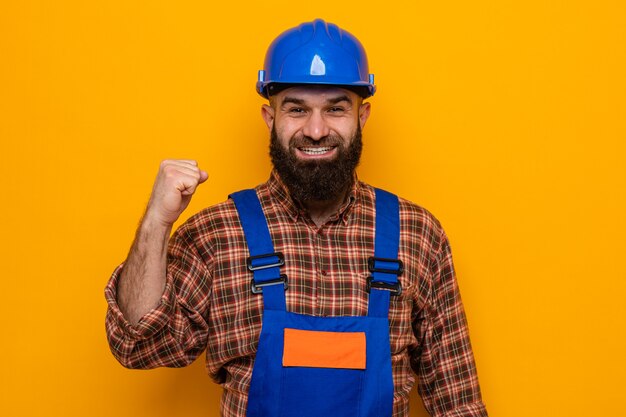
[323,373]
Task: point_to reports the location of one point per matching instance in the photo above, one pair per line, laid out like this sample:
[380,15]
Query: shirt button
[324,273]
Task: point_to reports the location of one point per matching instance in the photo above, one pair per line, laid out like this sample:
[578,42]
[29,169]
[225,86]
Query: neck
[321,211]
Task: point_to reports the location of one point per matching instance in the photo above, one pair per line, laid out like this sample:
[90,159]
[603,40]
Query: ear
[364,113]
[267,112]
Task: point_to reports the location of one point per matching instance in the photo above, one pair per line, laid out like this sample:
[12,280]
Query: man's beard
[316,179]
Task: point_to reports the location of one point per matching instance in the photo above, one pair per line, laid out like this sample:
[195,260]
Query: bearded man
[313,294]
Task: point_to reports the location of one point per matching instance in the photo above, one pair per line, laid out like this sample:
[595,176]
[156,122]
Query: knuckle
[170,172]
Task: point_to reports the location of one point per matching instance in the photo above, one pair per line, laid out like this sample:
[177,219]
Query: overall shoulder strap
[385,265]
[264,262]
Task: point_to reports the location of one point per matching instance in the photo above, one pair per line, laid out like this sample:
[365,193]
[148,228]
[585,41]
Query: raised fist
[175,183]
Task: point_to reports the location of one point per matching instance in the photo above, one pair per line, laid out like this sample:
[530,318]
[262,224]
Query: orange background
[504,118]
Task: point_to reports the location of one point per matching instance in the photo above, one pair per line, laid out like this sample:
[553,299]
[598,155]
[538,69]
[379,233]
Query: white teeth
[316,151]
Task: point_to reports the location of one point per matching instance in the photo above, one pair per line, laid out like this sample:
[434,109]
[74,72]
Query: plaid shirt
[207,302]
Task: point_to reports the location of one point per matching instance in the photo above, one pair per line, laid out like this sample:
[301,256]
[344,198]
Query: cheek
[345,128]
[287,132]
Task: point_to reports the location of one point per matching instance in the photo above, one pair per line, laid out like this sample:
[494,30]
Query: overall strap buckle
[269,260]
[263,262]
[385,265]
[378,266]
[394,289]
[257,287]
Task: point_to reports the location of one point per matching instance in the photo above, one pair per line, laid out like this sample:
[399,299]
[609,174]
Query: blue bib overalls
[309,366]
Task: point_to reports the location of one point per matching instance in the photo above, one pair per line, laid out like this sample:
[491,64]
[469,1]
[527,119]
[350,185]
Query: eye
[336,109]
[296,110]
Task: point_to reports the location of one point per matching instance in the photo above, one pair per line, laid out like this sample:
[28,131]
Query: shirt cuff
[151,323]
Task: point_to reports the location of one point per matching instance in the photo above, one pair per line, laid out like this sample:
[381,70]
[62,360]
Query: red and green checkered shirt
[207,302]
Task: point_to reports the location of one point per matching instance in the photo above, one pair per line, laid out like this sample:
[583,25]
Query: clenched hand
[174,186]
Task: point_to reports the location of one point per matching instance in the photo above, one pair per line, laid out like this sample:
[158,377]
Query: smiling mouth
[317,151]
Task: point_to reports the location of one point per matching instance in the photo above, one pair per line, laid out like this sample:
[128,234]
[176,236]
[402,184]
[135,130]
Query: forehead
[315,94]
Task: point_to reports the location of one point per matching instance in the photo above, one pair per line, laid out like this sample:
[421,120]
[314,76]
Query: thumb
[203,176]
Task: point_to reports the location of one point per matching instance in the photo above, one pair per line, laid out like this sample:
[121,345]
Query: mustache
[306,141]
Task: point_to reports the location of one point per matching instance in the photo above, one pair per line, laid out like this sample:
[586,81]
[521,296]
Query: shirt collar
[294,209]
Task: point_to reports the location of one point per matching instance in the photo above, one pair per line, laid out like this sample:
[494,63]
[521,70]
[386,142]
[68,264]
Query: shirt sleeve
[174,333]
[448,383]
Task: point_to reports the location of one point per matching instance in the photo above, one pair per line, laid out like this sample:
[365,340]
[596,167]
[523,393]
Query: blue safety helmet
[316,53]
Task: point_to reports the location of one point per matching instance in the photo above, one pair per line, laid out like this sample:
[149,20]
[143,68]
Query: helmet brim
[271,89]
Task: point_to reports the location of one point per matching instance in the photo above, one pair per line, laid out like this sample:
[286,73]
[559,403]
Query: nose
[316,127]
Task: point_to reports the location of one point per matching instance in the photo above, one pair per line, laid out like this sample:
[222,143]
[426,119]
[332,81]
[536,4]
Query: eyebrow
[300,102]
[293,100]
[339,99]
